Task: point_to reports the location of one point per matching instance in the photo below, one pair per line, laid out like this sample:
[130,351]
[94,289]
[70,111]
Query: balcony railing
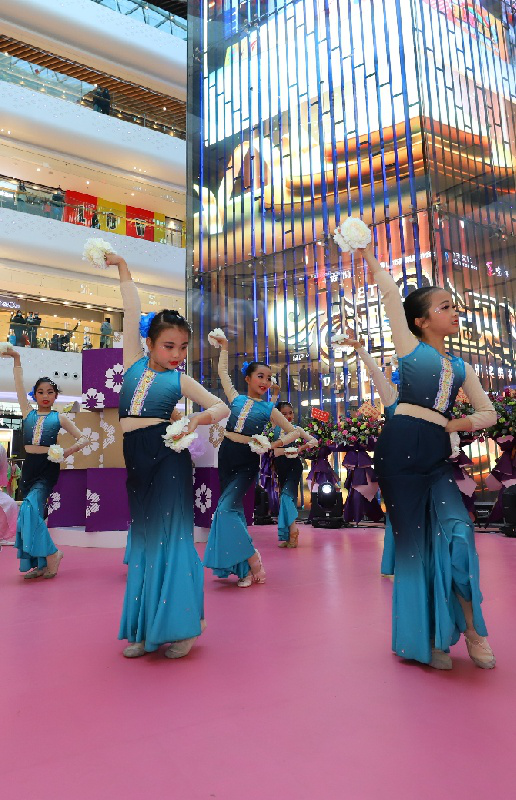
[58,339]
[65,87]
[149,14]
[42,202]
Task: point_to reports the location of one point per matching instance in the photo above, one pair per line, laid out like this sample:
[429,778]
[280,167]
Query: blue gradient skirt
[387,567]
[229,545]
[164,597]
[289,472]
[33,541]
[436,559]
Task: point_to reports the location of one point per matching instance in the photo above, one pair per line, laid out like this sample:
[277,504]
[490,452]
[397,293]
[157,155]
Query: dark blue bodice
[429,379]
[41,429]
[248,416]
[146,393]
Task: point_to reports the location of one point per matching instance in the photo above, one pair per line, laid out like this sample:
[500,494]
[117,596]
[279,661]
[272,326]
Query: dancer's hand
[352,341]
[275,390]
[11,353]
[222,341]
[175,415]
[192,425]
[114,260]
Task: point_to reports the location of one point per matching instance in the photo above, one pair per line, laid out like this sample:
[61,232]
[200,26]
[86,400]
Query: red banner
[322,416]
[140,223]
[80,209]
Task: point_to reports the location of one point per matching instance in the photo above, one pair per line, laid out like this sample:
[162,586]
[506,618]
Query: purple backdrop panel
[206,497]
[102,373]
[67,503]
[107,507]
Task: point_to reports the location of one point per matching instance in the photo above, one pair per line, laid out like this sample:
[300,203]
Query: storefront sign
[8,302]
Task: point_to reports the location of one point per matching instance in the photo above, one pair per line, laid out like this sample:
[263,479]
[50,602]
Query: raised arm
[404,341]
[21,394]
[133,349]
[485,414]
[227,385]
[292,432]
[81,439]
[215,408]
[388,391]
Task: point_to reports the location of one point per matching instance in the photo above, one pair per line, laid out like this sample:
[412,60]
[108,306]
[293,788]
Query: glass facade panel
[302,112]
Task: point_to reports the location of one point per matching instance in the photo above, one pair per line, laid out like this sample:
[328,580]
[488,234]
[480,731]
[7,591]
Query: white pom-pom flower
[339,338]
[291,452]
[259,444]
[216,332]
[176,436]
[352,235]
[455,444]
[94,251]
[5,347]
[55,453]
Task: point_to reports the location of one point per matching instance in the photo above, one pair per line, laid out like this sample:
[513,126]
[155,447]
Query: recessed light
[88,306]
[132,194]
[66,303]
[87,183]
[164,108]
[38,169]
[43,299]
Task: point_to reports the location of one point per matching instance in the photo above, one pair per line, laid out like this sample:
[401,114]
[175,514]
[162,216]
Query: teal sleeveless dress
[436,559]
[289,472]
[38,478]
[229,544]
[164,597]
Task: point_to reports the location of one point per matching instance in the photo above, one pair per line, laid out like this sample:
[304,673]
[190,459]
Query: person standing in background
[106,333]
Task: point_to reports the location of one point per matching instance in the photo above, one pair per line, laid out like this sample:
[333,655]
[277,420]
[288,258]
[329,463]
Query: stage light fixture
[327,507]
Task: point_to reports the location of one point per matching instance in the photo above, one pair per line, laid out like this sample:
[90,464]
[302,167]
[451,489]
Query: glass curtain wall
[302,112]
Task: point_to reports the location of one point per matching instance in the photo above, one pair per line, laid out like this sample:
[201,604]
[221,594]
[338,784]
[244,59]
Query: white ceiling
[17,162]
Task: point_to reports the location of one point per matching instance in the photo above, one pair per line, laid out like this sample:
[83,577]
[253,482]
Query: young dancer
[164,597]
[289,472]
[39,557]
[388,393]
[436,584]
[230,549]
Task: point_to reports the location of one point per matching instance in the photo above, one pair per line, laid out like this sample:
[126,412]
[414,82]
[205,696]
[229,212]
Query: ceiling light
[66,303]
[21,296]
[43,299]
[164,108]
[132,194]
[88,306]
[87,183]
[38,169]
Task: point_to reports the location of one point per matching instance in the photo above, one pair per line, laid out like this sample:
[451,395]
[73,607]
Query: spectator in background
[18,323]
[106,333]
[58,203]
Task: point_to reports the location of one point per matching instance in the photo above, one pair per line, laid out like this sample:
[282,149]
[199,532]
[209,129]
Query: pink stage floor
[291,694]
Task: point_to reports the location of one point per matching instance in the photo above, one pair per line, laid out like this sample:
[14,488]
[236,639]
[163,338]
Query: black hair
[253,366]
[416,305]
[46,380]
[282,403]
[167,319]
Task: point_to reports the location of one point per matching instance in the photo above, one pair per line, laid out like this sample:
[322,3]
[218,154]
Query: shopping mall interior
[218,148]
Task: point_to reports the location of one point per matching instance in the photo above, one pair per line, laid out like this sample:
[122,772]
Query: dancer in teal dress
[289,469]
[164,597]
[436,583]
[39,557]
[230,549]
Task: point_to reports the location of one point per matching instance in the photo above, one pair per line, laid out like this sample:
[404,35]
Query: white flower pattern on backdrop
[93,441]
[92,503]
[109,433]
[93,399]
[114,378]
[70,461]
[54,502]
[203,498]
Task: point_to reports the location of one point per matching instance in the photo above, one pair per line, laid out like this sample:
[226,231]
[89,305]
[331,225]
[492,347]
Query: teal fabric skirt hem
[387,567]
[164,597]
[436,559]
[229,544]
[289,472]
[33,540]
